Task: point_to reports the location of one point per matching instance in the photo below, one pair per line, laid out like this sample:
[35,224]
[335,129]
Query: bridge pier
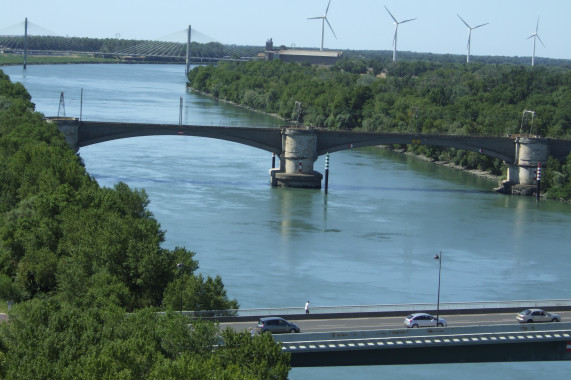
[299,152]
[529,151]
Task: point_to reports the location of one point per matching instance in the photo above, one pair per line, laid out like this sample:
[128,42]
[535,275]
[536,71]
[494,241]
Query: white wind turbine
[534,35]
[396,30]
[323,20]
[469,35]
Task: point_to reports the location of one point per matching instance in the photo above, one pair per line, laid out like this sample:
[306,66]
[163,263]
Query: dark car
[276,325]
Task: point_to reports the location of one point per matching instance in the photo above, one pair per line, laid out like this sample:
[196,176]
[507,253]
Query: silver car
[536,315]
[424,320]
[276,325]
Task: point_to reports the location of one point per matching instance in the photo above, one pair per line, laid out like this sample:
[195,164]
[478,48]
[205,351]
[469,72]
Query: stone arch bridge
[298,148]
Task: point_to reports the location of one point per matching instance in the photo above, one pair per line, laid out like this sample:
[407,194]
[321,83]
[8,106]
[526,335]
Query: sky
[358,24]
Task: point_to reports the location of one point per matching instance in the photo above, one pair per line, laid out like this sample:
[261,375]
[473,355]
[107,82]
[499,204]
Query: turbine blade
[393,17]
[410,19]
[465,23]
[533,35]
[480,25]
[540,40]
[330,28]
[327,9]
[314,18]
[537,26]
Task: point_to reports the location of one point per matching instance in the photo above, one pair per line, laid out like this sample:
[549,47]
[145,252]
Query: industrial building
[315,57]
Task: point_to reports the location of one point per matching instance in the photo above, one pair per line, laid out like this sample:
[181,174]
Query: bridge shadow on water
[407,189]
[258,184]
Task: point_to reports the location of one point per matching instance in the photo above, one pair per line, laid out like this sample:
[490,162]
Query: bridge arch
[496,147]
[90,132]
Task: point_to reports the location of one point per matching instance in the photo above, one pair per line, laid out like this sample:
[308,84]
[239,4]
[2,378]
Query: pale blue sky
[358,24]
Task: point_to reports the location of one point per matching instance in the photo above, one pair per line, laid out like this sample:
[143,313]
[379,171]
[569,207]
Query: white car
[536,315]
[424,320]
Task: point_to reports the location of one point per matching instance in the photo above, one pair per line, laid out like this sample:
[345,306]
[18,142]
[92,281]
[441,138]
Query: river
[370,240]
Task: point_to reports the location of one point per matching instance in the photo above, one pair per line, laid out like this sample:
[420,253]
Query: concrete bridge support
[529,151]
[299,152]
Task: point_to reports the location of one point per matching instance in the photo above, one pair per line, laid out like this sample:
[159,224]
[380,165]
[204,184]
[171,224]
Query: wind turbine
[469,35]
[323,20]
[396,30]
[534,35]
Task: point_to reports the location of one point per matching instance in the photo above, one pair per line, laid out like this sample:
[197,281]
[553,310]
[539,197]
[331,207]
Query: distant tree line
[386,56]
[59,43]
[87,274]
[417,96]
[113,45]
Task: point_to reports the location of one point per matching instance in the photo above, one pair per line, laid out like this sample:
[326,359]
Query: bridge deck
[435,345]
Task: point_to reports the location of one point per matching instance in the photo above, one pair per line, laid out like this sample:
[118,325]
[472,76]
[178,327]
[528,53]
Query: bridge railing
[387,308]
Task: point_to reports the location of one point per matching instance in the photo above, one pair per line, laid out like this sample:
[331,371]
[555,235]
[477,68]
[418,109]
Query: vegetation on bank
[86,270]
[420,96]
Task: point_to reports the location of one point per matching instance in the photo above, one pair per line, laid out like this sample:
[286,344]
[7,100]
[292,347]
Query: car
[424,320]
[536,315]
[276,325]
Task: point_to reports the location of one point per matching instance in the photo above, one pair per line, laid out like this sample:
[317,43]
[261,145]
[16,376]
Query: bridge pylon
[529,151]
[299,152]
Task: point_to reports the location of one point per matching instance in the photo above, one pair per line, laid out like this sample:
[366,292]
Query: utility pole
[413,117]
[296,112]
[532,113]
[61,109]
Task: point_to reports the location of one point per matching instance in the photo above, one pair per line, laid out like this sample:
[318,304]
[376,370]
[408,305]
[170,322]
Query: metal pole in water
[273,160]
[538,179]
[81,105]
[180,113]
[326,172]
[439,258]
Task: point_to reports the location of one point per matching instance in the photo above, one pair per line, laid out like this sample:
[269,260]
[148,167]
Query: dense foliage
[86,269]
[54,339]
[420,96]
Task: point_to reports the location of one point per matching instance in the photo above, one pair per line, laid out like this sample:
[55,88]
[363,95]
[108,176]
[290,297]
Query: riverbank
[235,104]
[479,173]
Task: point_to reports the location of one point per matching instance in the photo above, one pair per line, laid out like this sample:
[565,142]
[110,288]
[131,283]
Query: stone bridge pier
[299,152]
[529,151]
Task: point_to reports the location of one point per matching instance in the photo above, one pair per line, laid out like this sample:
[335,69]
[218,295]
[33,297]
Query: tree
[106,342]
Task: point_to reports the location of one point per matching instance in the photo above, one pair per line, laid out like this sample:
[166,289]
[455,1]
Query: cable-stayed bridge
[187,44]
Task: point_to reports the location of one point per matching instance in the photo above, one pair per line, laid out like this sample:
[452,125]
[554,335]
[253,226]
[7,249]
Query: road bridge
[298,148]
[475,344]
[375,335]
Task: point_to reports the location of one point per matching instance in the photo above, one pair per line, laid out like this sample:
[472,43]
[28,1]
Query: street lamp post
[439,258]
[180,267]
